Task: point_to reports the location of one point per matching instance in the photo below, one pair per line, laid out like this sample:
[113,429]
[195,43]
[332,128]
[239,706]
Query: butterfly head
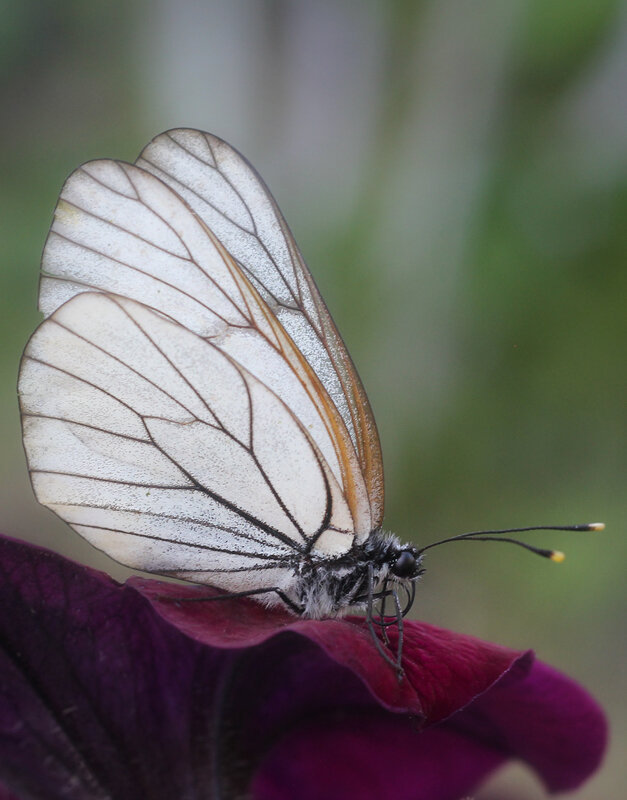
[406,563]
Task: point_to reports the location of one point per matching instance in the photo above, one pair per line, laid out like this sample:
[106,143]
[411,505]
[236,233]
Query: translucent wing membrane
[136,452]
[188,404]
[231,198]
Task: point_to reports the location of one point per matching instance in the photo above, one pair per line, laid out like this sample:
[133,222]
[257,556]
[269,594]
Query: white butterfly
[188,404]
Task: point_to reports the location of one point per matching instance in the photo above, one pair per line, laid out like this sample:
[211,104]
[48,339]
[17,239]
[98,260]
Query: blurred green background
[456,176]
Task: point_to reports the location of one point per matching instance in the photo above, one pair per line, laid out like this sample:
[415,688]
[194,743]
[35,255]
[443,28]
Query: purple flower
[110,691]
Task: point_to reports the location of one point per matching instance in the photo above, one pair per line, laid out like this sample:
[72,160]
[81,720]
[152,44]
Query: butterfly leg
[400,628]
[296,609]
[384,598]
[371,625]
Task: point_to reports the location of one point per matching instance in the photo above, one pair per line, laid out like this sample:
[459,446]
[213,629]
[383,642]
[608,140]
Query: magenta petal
[245,623]
[444,670]
[449,670]
[372,757]
[545,719]
[123,691]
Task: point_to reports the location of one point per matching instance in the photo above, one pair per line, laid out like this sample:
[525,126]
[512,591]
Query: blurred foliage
[456,175]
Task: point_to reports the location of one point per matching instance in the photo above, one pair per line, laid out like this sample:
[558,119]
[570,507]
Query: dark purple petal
[99,697]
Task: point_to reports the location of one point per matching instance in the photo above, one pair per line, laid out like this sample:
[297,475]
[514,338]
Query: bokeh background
[456,176]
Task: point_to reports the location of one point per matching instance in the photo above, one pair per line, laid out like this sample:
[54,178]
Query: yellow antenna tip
[557,556]
[596,526]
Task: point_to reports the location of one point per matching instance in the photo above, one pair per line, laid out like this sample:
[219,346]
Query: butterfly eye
[405,565]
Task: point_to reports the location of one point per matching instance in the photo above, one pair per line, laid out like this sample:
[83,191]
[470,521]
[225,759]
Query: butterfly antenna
[496,536]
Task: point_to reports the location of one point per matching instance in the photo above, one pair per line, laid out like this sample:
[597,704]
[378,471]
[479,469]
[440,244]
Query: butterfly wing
[228,194]
[161,450]
[170,282]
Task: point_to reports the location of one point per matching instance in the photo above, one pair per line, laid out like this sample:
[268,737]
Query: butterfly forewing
[224,190]
[200,416]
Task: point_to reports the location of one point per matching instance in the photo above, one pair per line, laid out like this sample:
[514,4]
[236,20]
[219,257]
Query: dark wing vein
[125,482]
[87,425]
[131,369]
[175,368]
[238,532]
[249,449]
[140,271]
[195,483]
[281,562]
[121,228]
[190,545]
[106,185]
[135,235]
[254,234]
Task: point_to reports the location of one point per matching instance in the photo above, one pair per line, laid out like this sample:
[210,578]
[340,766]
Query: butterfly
[188,405]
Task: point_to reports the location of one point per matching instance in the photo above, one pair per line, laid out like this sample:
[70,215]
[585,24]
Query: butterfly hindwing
[124,436]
